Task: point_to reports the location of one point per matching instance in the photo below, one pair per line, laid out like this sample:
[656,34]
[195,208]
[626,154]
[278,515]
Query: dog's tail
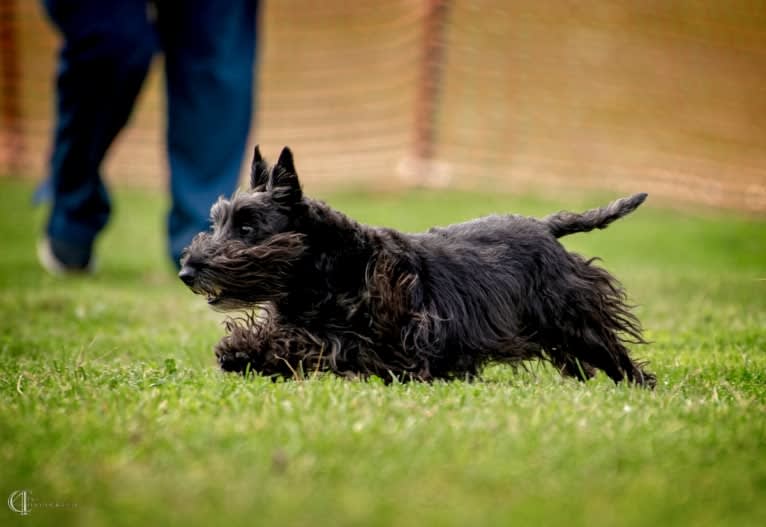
[564,223]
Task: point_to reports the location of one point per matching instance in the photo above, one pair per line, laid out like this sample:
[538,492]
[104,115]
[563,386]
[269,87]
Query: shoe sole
[54,266]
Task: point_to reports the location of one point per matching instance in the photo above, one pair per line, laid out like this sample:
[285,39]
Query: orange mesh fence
[668,97]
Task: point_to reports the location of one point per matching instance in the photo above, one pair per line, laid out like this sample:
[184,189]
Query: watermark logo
[19,501]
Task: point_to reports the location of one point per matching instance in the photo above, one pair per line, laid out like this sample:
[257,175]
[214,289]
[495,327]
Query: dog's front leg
[271,349]
[243,342]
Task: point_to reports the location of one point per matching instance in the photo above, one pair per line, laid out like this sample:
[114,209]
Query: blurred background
[663,96]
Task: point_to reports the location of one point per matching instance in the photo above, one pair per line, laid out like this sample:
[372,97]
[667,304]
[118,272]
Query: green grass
[110,399]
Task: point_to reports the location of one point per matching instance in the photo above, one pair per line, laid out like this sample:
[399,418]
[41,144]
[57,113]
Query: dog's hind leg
[601,348]
[595,323]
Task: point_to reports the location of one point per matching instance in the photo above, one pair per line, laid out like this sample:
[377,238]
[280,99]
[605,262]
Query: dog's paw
[230,357]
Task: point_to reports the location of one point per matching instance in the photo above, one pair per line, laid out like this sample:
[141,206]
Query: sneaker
[61,258]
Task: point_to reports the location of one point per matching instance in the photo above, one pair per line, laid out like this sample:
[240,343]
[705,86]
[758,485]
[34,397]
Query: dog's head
[249,255]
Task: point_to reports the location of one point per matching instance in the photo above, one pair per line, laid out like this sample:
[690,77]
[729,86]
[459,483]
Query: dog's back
[559,224]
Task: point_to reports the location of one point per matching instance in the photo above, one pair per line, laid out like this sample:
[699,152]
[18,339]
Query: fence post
[11,132]
[422,169]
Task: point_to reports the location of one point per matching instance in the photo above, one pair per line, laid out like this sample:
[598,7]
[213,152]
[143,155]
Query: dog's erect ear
[286,160]
[283,181]
[259,171]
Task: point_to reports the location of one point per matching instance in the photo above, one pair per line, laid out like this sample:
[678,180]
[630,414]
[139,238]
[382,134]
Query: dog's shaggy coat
[330,294]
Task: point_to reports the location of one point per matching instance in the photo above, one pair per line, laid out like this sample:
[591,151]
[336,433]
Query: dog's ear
[259,171]
[283,181]
[286,160]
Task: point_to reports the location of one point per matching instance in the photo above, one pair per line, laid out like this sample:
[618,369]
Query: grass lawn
[112,408]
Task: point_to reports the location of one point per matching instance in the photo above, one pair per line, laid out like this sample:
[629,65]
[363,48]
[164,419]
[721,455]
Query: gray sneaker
[61,258]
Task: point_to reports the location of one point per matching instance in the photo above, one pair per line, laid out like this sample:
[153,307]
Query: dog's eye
[245,230]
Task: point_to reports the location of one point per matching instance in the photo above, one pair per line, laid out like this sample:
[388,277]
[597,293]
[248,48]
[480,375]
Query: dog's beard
[237,276]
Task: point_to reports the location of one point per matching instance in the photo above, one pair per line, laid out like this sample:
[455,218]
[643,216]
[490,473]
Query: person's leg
[107,48]
[209,50]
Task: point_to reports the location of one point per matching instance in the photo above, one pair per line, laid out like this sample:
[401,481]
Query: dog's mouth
[214,295]
[213,299]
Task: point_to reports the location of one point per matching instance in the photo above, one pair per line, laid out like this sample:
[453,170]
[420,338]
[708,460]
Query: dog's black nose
[187,274]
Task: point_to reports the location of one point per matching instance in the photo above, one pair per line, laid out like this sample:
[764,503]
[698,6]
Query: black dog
[335,295]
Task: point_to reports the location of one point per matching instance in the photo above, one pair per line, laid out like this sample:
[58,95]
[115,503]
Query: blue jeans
[209,50]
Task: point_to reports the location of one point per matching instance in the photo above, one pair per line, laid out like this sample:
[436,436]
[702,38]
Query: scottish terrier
[320,292]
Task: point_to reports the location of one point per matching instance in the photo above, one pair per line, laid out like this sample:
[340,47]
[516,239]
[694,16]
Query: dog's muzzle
[192,276]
